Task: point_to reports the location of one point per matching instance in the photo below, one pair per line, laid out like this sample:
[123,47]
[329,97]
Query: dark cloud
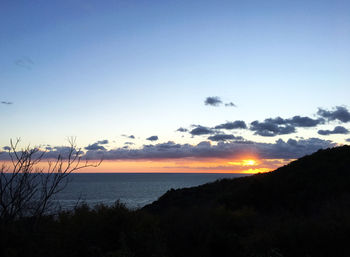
[279,150]
[230,104]
[102,142]
[182,130]
[129,143]
[201,130]
[336,130]
[7,103]
[152,138]
[213,101]
[224,137]
[278,126]
[127,136]
[94,147]
[338,113]
[347,140]
[271,127]
[238,124]
[290,149]
[6,148]
[24,62]
[299,121]
[97,146]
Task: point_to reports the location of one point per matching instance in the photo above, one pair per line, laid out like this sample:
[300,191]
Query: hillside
[301,186]
[301,209]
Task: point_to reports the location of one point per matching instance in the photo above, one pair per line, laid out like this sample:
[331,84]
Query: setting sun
[248,162]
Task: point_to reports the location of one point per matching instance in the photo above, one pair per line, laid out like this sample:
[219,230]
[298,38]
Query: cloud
[102,142]
[127,136]
[299,121]
[238,124]
[7,103]
[97,146]
[201,130]
[182,130]
[213,101]
[271,127]
[6,148]
[129,143]
[336,130]
[24,62]
[152,138]
[94,147]
[290,149]
[230,104]
[224,137]
[278,126]
[347,140]
[338,113]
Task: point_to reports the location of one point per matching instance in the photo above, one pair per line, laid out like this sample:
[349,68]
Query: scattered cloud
[271,127]
[7,103]
[24,62]
[338,113]
[230,104]
[129,136]
[290,149]
[224,137]
[201,130]
[152,138]
[238,124]
[278,126]
[6,148]
[213,101]
[182,130]
[129,143]
[336,130]
[97,146]
[299,121]
[103,142]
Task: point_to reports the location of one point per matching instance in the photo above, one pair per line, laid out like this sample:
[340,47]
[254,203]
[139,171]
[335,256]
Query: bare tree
[27,186]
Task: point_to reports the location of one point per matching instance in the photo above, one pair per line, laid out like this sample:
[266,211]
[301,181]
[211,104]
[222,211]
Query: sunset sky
[176,86]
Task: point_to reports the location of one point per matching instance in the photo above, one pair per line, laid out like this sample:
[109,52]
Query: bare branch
[27,189]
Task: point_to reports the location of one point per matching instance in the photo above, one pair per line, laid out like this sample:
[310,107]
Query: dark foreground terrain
[302,209]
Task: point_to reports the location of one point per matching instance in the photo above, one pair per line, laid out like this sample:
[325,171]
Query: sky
[176,86]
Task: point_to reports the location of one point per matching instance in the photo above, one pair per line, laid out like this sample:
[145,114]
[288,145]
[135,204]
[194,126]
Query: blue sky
[97,70]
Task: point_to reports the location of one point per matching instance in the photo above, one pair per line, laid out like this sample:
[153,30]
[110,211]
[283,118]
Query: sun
[248,162]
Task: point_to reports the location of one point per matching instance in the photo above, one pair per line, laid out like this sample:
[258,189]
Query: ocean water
[135,190]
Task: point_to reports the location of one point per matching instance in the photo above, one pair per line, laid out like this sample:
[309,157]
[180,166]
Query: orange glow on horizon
[243,165]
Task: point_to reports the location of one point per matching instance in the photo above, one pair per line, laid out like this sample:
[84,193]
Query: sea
[135,190]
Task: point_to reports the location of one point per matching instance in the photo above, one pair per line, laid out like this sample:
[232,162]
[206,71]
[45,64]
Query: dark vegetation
[301,209]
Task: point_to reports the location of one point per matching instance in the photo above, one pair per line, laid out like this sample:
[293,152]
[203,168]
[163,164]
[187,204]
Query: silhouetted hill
[301,186]
[301,209]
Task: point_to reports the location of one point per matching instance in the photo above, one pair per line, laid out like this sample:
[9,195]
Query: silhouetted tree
[27,185]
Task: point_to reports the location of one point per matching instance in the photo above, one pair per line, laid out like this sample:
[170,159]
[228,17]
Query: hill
[301,209]
[302,186]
